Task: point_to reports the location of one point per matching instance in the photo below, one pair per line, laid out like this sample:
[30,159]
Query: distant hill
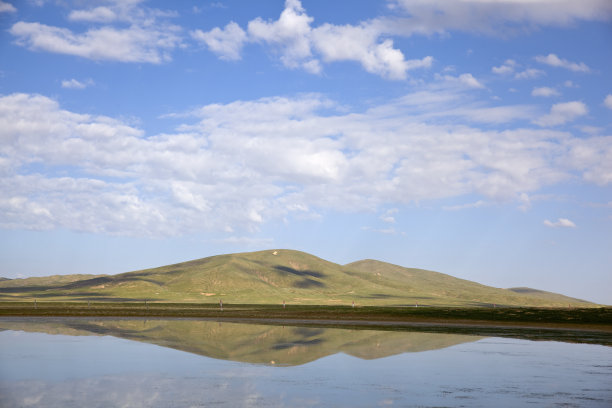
[274,276]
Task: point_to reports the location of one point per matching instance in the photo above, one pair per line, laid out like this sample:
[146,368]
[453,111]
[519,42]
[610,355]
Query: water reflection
[95,363]
[249,343]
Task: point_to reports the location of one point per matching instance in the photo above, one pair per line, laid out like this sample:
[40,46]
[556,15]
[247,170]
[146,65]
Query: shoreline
[598,319]
[575,333]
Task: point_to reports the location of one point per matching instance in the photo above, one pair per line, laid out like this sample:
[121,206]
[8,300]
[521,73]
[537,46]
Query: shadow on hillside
[21,289]
[292,271]
[306,282]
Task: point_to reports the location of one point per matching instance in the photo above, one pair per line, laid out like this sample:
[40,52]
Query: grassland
[274,276]
[538,316]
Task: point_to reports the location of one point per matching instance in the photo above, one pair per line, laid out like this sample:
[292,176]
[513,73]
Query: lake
[78,362]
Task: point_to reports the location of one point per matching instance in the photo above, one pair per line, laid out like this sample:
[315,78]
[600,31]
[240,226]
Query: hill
[275,276]
[556,297]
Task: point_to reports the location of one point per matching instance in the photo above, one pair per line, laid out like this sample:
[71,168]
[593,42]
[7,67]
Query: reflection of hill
[251,343]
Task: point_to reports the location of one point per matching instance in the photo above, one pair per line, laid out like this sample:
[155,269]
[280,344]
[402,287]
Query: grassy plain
[557,316]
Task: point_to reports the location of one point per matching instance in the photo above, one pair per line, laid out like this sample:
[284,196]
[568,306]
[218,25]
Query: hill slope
[275,276]
[556,297]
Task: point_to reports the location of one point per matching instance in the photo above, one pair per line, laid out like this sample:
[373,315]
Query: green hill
[555,297]
[274,276]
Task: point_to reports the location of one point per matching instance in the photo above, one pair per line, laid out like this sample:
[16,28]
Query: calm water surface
[174,363]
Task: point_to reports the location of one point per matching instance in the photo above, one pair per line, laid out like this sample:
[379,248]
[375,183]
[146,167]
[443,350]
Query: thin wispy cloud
[554,61]
[149,38]
[560,223]
[545,92]
[76,84]
[477,204]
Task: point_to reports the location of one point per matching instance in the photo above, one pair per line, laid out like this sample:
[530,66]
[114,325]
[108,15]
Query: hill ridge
[280,275]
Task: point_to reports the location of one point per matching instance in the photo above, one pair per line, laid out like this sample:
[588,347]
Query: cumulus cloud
[300,45]
[561,113]
[608,101]
[560,223]
[554,61]
[361,43]
[146,39]
[289,35]
[226,42]
[7,7]
[236,166]
[545,92]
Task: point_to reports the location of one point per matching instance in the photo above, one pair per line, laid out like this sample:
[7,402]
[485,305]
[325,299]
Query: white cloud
[592,156]
[7,7]
[561,113]
[608,101]
[525,201]
[507,67]
[133,44]
[226,42]
[388,216]
[466,80]
[529,73]
[99,15]
[560,223]
[545,92]
[75,84]
[593,130]
[361,43]
[495,17]
[470,81]
[146,39]
[554,61]
[236,166]
[477,204]
[299,45]
[290,34]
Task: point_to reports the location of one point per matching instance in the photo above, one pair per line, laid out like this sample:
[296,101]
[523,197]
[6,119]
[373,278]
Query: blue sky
[471,137]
